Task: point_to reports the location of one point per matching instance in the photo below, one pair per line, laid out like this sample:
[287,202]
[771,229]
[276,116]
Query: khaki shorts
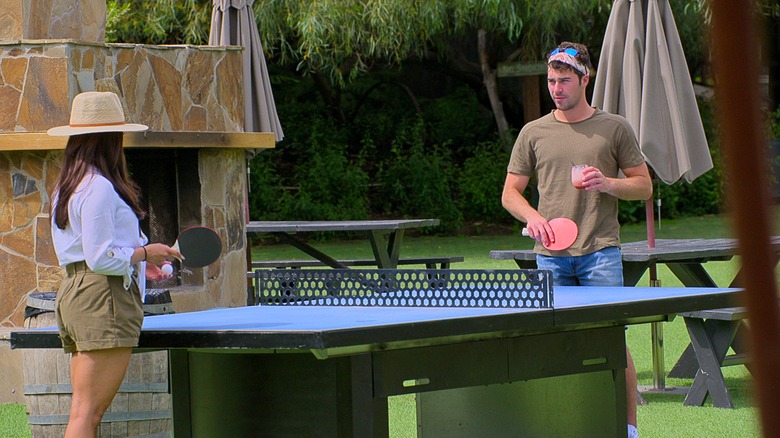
[96,312]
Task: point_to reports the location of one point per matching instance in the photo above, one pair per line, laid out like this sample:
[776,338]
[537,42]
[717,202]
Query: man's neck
[577,114]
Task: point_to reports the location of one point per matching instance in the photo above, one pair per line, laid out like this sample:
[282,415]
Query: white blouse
[102,230]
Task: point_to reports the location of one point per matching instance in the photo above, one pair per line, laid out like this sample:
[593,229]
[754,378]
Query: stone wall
[83,20]
[168,88]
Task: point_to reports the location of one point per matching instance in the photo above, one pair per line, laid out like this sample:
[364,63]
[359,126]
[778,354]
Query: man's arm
[515,203]
[636,185]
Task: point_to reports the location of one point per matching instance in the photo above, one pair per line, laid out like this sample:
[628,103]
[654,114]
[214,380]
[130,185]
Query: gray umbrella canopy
[233,24]
[643,76]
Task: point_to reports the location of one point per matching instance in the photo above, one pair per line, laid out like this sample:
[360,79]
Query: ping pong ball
[167,269]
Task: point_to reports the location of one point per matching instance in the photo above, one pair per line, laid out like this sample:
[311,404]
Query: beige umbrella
[233,24]
[643,76]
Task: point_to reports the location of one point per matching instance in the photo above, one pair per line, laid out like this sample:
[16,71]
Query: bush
[265,187]
[481,182]
[416,181]
[330,187]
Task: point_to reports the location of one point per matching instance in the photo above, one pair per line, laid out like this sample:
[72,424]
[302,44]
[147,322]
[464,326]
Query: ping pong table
[328,369]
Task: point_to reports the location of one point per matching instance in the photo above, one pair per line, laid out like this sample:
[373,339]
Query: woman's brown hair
[102,151]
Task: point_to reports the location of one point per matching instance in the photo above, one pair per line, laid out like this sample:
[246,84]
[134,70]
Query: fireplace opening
[170,187]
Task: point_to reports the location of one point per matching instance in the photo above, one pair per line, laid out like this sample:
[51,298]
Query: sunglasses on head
[568,51]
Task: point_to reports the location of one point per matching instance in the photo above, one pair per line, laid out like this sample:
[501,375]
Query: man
[576,133]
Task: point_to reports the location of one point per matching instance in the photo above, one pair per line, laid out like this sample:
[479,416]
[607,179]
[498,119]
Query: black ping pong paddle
[200,246]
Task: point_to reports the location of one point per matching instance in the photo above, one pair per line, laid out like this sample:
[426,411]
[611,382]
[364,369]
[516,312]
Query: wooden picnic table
[385,236]
[685,258]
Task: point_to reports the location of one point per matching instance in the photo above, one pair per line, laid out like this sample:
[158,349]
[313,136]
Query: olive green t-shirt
[548,147]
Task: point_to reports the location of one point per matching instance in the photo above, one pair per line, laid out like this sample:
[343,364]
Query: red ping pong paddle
[565,231]
[200,246]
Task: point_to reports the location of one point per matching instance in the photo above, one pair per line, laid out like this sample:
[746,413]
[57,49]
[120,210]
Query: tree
[340,39]
[336,41]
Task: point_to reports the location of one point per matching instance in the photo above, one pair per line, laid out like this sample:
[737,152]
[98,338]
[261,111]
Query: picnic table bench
[712,332]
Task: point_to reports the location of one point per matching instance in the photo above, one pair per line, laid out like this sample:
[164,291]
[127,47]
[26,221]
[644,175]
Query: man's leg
[631,390]
[605,268]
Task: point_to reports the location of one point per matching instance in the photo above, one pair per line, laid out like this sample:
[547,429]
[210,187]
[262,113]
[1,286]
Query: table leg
[314,252]
[386,247]
[710,348]
[526,264]
[633,271]
[692,274]
[179,381]
[369,416]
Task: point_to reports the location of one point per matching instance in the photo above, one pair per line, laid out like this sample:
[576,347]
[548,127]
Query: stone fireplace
[191,164]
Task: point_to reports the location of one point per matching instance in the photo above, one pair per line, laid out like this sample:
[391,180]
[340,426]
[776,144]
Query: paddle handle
[175,247]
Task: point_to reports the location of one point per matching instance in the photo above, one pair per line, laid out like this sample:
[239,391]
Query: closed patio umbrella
[233,24]
[643,76]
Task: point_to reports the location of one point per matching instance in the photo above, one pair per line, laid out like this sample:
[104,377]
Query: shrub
[481,182]
[330,187]
[416,181]
[265,187]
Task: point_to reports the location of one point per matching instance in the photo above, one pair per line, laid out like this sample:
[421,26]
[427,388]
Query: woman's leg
[95,377]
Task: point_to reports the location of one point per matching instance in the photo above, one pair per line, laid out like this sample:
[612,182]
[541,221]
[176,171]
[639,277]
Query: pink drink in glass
[576,175]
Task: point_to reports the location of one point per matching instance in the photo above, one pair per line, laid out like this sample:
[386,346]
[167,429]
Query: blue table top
[325,329]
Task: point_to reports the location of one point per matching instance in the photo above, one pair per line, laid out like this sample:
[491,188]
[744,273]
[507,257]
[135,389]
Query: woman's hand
[157,253]
[155,273]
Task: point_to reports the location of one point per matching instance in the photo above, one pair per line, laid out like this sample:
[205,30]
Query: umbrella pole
[656,328]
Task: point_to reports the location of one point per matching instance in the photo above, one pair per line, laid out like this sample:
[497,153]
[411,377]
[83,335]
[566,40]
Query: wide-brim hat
[96,111]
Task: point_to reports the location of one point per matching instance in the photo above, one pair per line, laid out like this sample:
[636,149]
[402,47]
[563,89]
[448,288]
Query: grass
[13,421]
[664,416]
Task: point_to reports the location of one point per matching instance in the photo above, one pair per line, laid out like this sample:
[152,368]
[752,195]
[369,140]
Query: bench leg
[710,348]
[739,344]
[687,365]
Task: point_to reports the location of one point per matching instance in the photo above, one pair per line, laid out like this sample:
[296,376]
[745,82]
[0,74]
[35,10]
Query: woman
[95,227]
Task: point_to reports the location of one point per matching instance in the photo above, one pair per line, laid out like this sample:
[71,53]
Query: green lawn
[664,416]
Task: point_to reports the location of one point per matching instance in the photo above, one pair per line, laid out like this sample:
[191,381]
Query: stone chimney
[191,97]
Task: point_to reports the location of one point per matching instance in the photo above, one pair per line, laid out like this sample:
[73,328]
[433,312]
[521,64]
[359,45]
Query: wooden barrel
[141,408]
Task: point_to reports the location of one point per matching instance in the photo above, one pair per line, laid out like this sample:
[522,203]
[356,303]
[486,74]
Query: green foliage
[265,188]
[331,187]
[481,182]
[417,181]
[458,119]
[158,22]
[774,124]
[428,156]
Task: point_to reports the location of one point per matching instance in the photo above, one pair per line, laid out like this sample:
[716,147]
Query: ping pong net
[516,288]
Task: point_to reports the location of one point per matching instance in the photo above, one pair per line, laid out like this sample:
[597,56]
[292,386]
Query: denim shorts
[601,268]
[96,312]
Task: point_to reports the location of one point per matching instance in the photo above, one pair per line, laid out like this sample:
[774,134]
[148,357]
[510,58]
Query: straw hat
[96,111]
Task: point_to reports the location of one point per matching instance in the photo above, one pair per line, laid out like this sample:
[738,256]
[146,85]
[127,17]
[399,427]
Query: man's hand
[540,230]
